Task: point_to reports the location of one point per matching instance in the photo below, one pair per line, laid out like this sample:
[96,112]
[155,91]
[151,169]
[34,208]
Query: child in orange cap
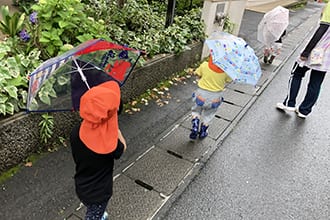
[95,143]
[207,98]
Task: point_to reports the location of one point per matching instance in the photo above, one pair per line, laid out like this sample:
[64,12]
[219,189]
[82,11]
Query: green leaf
[34,104]
[51,50]
[52,93]
[3,98]
[47,15]
[3,109]
[46,34]
[4,73]
[85,37]
[24,95]
[62,80]
[25,62]
[44,40]
[58,43]
[48,26]
[20,21]
[10,108]
[12,91]
[63,24]
[18,81]
[11,61]
[44,98]
[4,10]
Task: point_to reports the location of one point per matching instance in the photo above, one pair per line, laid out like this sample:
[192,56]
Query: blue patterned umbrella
[235,57]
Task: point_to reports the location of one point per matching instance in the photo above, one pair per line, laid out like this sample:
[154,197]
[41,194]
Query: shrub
[64,22]
[141,24]
[10,24]
[13,80]
[55,26]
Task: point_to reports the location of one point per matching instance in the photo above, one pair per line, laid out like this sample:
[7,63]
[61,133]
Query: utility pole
[120,3]
[170,12]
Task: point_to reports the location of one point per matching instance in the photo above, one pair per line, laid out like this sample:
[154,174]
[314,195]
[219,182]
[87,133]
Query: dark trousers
[313,89]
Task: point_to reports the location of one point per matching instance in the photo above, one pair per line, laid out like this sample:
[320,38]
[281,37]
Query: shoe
[203,132]
[283,107]
[266,59]
[271,59]
[194,130]
[300,115]
[105,216]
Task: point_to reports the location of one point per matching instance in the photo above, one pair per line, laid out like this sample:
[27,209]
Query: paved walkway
[146,188]
[148,183]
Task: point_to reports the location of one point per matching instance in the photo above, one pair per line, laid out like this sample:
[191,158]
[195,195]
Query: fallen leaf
[28,164]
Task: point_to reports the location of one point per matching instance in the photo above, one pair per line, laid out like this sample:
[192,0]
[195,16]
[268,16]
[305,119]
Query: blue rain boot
[105,216]
[203,132]
[194,129]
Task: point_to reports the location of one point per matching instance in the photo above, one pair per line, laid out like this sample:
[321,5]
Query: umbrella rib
[83,77]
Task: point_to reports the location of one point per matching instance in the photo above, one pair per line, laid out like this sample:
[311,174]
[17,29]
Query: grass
[298,5]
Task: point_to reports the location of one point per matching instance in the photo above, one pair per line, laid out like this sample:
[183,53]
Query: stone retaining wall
[19,136]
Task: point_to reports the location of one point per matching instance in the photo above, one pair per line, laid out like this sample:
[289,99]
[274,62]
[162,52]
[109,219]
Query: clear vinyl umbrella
[58,83]
[272,25]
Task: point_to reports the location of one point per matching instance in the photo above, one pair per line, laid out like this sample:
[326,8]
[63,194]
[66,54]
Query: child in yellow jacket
[207,97]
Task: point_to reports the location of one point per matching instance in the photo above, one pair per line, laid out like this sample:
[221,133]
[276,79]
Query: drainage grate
[144,185]
[239,91]
[231,103]
[174,154]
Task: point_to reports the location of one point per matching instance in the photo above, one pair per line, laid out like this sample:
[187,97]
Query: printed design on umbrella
[235,57]
[58,83]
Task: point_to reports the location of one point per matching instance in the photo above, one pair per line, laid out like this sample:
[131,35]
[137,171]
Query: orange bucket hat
[214,67]
[98,109]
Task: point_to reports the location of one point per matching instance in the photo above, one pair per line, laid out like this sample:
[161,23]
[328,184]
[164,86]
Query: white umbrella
[273,25]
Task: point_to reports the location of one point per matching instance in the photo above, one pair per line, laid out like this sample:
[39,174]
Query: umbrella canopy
[235,57]
[272,25]
[58,83]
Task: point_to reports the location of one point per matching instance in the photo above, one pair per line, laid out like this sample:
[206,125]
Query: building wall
[251,3]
